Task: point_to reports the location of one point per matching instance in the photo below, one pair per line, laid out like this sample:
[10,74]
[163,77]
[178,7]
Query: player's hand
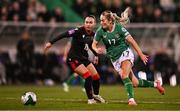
[64,58]
[144,58]
[96,59]
[47,46]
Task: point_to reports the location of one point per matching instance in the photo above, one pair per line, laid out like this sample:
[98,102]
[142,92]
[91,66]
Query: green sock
[145,83]
[129,87]
[82,81]
[70,79]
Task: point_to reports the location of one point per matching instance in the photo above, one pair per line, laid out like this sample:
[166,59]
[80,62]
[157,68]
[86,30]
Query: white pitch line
[109,101]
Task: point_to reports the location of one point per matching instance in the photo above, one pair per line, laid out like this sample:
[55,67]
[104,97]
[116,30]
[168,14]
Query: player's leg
[95,83]
[84,72]
[125,71]
[71,79]
[82,81]
[68,80]
[145,83]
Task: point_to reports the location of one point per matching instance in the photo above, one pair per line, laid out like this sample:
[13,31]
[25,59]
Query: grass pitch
[54,98]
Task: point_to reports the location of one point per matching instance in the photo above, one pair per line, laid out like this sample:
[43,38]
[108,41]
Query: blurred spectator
[15,12]
[177,14]
[25,57]
[103,5]
[157,15]
[127,3]
[91,7]
[116,6]
[144,10]
[141,67]
[2,73]
[79,7]
[167,5]
[4,13]
[139,14]
[164,66]
[43,13]
[58,15]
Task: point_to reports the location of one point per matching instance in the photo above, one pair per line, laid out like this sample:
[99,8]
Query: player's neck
[111,28]
[88,31]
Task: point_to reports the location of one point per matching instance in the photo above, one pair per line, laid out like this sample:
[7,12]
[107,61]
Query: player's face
[89,23]
[104,22]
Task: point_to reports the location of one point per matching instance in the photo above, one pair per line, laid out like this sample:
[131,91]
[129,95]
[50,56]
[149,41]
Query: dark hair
[91,16]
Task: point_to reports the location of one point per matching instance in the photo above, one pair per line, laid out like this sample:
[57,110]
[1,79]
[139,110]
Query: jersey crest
[117,35]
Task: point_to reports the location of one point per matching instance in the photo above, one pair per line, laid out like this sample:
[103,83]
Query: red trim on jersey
[86,75]
[96,77]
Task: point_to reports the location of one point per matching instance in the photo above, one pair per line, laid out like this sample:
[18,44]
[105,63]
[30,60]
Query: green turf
[54,98]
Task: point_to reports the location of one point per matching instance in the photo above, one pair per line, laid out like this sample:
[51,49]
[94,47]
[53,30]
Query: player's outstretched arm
[134,44]
[95,48]
[59,36]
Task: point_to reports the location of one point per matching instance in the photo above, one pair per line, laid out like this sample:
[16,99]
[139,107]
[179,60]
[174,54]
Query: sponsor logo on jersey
[83,36]
[104,36]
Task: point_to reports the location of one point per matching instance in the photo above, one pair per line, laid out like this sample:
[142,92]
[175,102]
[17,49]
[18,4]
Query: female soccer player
[117,39]
[71,75]
[77,58]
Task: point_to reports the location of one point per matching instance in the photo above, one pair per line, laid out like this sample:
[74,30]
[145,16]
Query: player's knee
[135,84]
[123,76]
[86,75]
[96,77]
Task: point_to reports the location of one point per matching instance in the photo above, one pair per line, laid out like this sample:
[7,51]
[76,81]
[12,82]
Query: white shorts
[126,55]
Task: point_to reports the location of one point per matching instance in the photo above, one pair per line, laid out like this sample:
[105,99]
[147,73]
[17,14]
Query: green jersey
[114,41]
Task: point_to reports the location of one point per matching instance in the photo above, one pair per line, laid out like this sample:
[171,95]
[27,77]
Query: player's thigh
[92,69]
[81,69]
[125,68]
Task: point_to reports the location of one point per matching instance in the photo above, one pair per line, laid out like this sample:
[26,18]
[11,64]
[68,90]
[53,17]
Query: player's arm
[66,50]
[59,36]
[136,47]
[97,38]
[96,48]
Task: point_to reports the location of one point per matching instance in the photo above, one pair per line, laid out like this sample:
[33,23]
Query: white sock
[131,99]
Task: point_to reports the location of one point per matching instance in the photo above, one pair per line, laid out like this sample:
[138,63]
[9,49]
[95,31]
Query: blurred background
[25,25]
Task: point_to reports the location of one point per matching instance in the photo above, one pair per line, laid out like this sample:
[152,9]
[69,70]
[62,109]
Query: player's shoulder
[75,30]
[100,30]
[118,24]
[120,27]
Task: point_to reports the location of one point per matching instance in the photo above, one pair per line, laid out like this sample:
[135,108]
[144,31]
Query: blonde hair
[115,18]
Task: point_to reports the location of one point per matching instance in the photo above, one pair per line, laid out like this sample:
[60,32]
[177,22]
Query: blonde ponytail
[124,19]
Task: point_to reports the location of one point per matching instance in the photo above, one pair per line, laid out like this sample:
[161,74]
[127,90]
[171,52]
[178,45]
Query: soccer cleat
[132,102]
[159,87]
[99,98]
[91,101]
[65,87]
